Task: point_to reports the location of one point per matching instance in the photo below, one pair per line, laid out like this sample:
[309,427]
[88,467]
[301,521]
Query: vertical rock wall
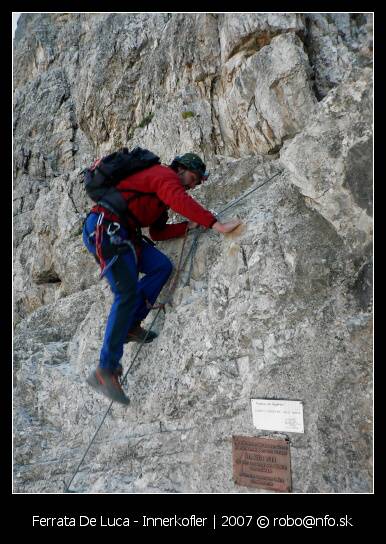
[281,309]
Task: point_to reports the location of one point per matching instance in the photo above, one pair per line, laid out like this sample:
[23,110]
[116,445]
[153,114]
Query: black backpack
[101,178]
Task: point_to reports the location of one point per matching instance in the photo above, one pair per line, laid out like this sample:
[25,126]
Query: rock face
[281,309]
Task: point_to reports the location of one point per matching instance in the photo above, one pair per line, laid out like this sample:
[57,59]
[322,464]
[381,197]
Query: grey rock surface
[281,308]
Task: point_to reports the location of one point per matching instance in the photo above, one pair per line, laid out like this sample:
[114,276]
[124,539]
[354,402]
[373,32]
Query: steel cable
[191,254]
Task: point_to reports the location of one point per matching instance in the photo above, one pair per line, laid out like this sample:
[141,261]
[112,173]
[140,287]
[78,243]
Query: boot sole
[94,383]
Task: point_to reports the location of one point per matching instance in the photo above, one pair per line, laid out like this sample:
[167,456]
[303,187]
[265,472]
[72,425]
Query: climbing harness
[120,244]
[159,307]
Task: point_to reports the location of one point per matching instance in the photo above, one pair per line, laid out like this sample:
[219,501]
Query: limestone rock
[281,308]
[332,165]
[335,43]
[269,98]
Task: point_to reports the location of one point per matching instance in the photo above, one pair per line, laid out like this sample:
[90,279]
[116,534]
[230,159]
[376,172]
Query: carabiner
[111,232]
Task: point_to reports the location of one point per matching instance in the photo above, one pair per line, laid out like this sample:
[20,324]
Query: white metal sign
[278,415]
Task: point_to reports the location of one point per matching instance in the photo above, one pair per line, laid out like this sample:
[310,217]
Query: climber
[155,190]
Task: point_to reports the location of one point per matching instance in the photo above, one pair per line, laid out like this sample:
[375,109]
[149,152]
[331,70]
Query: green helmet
[191,161]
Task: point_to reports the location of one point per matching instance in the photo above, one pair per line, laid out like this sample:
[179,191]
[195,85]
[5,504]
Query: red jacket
[151,209]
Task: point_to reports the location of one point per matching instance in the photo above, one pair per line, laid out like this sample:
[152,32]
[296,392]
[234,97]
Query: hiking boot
[119,370]
[138,334]
[93,380]
[106,382]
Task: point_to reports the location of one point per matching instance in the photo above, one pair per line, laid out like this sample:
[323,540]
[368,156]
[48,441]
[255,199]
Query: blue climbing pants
[130,294]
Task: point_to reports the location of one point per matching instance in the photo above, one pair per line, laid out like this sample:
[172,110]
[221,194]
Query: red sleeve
[159,230]
[172,193]
[170,231]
